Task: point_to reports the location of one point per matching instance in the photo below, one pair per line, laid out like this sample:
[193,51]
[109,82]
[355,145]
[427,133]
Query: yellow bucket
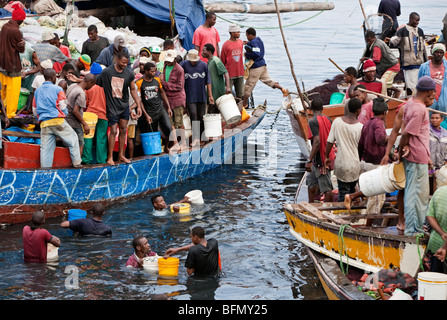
[245,115]
[91,119]
[168,267]
[181,208]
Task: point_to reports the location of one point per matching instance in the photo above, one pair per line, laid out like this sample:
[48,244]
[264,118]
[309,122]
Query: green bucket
[336,98]
[23,98]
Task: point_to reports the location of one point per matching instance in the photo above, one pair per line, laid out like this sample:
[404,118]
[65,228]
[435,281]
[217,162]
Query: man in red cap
[12,43]
[369,80]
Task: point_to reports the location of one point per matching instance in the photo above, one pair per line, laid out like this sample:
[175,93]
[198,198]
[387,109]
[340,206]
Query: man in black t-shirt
[203,257]
[116,81]
[153,96]
[90,226]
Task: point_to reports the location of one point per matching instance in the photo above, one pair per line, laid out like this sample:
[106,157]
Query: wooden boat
[335,283]
[299,117]
[25,190]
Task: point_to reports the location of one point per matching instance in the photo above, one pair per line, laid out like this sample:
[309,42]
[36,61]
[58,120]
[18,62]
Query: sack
[187,125]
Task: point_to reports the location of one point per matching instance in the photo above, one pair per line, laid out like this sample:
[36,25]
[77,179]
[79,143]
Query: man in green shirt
[437,218]
[220,80]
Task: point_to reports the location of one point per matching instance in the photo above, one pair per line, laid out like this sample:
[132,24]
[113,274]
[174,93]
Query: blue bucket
[151,142]
[336,98]
[74,214]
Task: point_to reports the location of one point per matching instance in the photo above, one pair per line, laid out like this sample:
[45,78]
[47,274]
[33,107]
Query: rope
[341,248]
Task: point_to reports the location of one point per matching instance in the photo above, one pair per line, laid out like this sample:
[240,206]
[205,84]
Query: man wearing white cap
[46,50]
[39,79]
[436,68]
[197,84]
[233,59]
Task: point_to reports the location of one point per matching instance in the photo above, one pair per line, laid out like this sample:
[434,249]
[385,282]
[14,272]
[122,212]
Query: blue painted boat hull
[56,190]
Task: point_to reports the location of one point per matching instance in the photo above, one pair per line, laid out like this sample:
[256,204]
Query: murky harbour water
[260,258]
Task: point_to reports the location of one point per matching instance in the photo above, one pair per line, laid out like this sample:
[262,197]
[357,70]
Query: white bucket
[213,125]
[151,264]
[52,253]
[195,196]
[384,179]
[432,286]
[229,109]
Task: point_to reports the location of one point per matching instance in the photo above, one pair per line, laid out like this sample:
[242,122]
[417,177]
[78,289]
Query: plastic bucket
[52,253]
[74,214]
[168,267]
[151,142]
[228,107]
[336,98]
[182,208]
[91,119]
[245,115]
[432,286]
[384,179]
[213,125]
[195,196]
[23,98]
[151,264]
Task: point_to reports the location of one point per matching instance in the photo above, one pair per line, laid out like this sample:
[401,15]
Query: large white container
[52,253]
[213,125]
[384,179]
[195,196]
[229,109]
[432,286]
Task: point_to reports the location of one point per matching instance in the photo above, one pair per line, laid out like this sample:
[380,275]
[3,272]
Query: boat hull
[369,249]
[55,190]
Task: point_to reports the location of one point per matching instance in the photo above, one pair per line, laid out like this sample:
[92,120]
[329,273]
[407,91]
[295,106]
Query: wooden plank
[319,214]
[370,216]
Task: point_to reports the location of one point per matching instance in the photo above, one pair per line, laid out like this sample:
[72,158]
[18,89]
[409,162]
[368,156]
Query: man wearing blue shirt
[258,71]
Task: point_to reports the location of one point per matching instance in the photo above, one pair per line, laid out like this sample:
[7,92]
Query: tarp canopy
[189,15]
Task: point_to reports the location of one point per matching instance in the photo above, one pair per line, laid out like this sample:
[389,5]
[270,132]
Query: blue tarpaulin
[189,15]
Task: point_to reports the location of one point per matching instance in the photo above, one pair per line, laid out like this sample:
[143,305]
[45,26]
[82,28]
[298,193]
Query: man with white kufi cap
[233,59]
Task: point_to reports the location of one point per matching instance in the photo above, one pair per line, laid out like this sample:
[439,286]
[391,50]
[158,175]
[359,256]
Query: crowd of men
[152,93]
[362,141]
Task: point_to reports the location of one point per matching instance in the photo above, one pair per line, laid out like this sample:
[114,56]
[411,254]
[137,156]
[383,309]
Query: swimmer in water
[159,202]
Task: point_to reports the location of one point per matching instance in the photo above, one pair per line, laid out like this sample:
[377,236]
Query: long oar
[397,100]
[337,66]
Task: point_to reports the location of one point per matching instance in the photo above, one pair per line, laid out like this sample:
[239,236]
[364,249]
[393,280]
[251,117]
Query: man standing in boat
[369,80]
[319,178]
[233,58]
[414,149]
[346,132]
[411,42]
[207,33]
[392,9]
[116,81]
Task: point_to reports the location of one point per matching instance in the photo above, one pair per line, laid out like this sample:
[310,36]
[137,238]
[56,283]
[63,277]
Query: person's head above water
[158,202]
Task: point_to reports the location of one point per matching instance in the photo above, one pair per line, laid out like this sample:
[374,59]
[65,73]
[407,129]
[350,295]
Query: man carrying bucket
[203,255]
[414,148]
[90,226]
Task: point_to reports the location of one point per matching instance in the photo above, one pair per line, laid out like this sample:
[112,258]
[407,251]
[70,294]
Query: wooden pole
[398,100]
[343,71]
[290,59]
[220,7]
[364,15]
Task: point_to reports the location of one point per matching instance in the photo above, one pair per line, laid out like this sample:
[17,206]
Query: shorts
[114,119]
[177,117]
[131,131]
[323,180]
[238,83]
[80,134]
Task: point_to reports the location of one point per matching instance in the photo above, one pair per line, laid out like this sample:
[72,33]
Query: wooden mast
[220,7]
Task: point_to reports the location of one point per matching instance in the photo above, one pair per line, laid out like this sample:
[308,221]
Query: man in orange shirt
[96,103]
